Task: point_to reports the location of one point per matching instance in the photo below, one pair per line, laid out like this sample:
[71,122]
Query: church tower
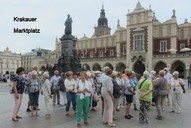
[102,28]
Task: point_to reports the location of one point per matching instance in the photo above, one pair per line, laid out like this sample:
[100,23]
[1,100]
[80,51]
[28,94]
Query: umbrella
[172,51]
[185,50]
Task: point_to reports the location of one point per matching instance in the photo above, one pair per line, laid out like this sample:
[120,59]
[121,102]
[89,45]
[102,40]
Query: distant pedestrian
[189,81]
[18,89]
[46,92]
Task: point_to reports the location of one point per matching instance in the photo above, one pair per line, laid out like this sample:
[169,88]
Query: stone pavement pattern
[59,120]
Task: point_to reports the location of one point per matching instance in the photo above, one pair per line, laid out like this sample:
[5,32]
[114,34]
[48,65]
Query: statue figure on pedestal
[68,24]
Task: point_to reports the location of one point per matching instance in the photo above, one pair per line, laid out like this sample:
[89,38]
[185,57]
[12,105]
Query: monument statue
[68,26]
[68,61]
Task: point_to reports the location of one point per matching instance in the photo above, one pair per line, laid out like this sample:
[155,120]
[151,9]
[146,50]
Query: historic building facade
[38,57]
[9,61]
[145,44]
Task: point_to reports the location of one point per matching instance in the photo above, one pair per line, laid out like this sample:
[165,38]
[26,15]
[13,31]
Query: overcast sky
[51,15]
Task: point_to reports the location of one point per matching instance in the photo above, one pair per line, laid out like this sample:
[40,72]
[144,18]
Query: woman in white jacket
[45,90]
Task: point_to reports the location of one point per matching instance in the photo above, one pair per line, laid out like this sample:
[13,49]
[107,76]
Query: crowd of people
[116,89]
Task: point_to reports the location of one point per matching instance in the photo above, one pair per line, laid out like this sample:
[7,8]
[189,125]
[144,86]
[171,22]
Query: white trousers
[115,104]
[108,109]
[177,102]
[47,104]
[63,99]
[17,104]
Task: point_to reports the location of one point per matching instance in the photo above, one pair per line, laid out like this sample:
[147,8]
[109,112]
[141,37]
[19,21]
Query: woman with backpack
[62,90]
[116,92]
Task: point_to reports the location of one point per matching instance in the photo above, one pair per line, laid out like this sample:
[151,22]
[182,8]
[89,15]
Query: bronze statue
[68,24]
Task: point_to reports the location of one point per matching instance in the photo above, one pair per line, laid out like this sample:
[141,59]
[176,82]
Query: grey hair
[114,73]
[46,74]
[162,72]
[105,68]
[145,74]
[175,73]
[152,72]
[34,73]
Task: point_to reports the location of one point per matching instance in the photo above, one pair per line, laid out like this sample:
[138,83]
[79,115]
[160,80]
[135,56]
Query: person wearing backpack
[116,93]
[62,90]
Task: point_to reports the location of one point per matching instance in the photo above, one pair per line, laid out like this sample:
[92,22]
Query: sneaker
[117,109]
[28,110]
[67,114]
[115,118]
[127,117]
[130,116]
[93,109]
[136,109]
[159,118]
[112,125]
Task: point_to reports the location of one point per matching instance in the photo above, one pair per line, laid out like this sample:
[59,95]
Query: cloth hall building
[145,43]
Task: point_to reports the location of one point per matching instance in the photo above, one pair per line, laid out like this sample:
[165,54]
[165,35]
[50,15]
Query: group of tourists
[116,89]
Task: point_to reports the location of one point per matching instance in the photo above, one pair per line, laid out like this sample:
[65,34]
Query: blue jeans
[71,97]
[189,84]
[34,98]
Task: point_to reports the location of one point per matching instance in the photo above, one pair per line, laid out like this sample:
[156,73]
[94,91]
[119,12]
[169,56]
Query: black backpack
[62,85]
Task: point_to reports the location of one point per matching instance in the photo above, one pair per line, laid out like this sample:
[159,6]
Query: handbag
[154,99]
[182,86]
[51,90]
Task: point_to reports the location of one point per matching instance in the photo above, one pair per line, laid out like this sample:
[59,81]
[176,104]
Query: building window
[139,42]
[91,54]
[124,49]
[111,53]
[101,53]
[163,46]
[182,45]
[82,54]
